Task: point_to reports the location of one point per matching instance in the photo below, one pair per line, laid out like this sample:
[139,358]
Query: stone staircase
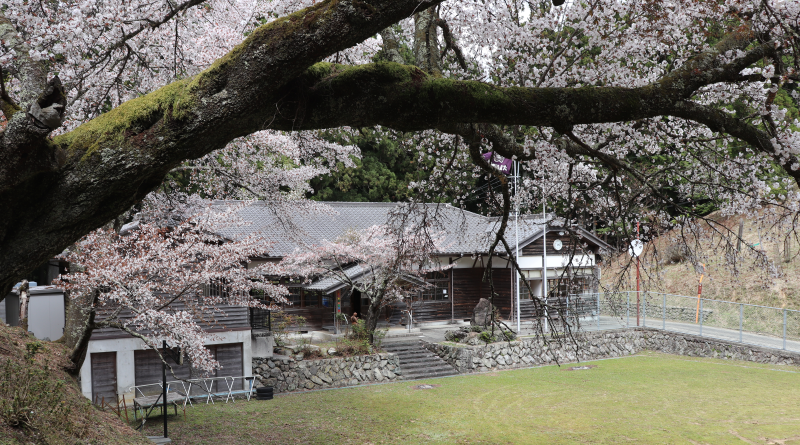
[416,362]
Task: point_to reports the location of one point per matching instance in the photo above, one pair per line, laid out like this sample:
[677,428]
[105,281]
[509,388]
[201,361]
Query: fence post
[701,317]
[628,310]
[784,328]
[741,316]
[644,310]
[664,317]
[598,311]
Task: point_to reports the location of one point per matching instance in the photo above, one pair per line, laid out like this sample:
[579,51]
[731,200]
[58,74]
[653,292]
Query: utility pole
[164,387]
[637,278]
[516,252]
[544,261]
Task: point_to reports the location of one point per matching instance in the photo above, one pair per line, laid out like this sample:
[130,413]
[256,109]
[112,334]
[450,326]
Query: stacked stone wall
[287,374]
[653,310]
[529,352]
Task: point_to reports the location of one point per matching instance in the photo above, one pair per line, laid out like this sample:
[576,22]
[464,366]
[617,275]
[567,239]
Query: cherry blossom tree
[621,109]
[384,264]
[165,281]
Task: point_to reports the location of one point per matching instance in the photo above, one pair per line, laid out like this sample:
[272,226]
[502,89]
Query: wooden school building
[573,262]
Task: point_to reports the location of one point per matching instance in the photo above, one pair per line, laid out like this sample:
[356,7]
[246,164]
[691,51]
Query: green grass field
[648,398]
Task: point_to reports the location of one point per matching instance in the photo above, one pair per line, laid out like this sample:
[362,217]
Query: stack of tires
[264,393]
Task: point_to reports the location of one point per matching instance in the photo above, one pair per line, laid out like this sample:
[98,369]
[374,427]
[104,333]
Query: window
[439,289]
[523,290]
[311,299]
[293,300]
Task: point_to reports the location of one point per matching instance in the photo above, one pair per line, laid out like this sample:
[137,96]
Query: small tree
[383,264]
[153,282]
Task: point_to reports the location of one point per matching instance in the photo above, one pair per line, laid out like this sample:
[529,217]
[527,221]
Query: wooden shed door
[104,377]
[230,358]
[148,370]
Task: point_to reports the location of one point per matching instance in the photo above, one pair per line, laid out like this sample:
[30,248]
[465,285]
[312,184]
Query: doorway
[355,304]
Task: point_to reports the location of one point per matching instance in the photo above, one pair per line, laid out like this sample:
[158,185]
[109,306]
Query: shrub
[676,253]
[356,341]
[452,336]
[280,328]
[310,353]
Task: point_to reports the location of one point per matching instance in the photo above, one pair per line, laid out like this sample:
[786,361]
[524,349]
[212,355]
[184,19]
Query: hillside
[666,266]
[42,404]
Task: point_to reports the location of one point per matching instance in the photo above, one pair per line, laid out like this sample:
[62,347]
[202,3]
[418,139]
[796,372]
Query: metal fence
[725,320]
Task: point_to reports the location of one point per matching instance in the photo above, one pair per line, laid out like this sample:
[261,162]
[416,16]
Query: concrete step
[402,349]
[430,375]
[422,365]
[416,362]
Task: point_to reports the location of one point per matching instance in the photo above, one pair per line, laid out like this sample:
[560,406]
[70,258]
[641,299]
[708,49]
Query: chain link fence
[726,320]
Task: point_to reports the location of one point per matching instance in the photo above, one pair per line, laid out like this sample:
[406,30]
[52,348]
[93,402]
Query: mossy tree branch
[273,80]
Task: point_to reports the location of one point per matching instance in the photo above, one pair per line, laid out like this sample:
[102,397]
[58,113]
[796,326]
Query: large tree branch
[114,160]
[271,81]
[722,122]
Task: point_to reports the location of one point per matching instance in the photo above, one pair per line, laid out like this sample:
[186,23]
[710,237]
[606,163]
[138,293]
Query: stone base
[287,374]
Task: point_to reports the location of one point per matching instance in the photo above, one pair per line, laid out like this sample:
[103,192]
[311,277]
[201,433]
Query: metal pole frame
[664,316]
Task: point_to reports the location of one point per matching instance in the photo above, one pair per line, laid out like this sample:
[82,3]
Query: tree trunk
[371,318]
[24,296]
[78,327]
[426,41]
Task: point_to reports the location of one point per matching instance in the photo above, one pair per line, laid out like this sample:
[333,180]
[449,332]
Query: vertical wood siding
[104,377]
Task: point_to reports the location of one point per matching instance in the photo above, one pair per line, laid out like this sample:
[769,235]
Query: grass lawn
[648,398]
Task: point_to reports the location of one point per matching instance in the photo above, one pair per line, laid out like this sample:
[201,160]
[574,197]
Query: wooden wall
[232,318]
[536,247]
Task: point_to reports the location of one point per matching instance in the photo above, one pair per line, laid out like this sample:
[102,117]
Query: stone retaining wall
[287,374]
[598,345]
[655,311]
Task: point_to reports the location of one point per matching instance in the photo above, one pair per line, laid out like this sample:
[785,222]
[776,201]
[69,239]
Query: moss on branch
[173,101]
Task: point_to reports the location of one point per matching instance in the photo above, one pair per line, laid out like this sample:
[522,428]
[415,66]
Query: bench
[145,404]
[205,384]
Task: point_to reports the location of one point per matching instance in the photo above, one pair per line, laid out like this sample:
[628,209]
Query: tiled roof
[464,232]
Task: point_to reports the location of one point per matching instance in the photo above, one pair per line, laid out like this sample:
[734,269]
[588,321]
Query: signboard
[499,162]
[636,248]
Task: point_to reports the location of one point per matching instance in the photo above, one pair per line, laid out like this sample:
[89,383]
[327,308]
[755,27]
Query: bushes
[281,325]
[356,341]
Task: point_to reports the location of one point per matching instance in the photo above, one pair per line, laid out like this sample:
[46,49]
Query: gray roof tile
[464,232]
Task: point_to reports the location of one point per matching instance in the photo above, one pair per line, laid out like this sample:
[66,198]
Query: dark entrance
[355,303]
